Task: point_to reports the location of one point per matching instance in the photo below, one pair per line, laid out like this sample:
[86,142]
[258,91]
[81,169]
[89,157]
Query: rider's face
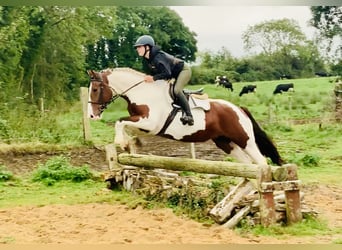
[140,50]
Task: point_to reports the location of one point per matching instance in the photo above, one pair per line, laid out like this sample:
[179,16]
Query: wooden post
[192,150]
[267,205]
[338,101]
[292,198]
[270,113]
[111,156]
[290,108]
[41,105]
[86,123]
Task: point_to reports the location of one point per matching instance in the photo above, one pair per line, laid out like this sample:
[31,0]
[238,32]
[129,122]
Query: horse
[152,109]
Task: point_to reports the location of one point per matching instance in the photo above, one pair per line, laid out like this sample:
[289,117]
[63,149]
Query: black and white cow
[247,89]
[283,87]
[224,82]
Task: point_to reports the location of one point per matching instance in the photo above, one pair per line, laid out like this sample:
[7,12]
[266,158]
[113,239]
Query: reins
[114,97]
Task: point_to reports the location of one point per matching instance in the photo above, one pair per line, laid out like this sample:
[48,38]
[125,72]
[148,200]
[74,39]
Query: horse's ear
[91,73]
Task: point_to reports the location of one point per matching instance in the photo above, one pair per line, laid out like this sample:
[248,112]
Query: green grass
[307,227]
[58,182]
[27,193]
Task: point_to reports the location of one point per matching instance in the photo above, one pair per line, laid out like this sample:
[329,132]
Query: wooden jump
[269,179]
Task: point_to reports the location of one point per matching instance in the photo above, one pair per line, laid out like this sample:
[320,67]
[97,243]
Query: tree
[160,22]
[328,21]
[271,36]
[283,49]
[14,31]
[53,54]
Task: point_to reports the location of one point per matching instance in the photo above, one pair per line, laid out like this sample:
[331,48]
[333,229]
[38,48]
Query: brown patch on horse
[136,111]
[223,143]
[227,127]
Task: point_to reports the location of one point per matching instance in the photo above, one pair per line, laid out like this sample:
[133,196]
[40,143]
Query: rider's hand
[148,78]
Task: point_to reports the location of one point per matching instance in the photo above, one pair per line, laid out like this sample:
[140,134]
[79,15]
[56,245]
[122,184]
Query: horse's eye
[94,90]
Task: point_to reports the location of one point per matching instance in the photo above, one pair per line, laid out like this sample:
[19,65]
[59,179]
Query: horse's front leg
[121,137]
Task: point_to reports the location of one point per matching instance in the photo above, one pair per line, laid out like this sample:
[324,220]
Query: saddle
[196,99]
[190,95]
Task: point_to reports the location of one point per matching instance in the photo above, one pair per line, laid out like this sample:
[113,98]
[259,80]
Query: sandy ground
[117,224]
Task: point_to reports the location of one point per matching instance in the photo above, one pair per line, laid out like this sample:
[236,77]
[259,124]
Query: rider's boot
[183,102]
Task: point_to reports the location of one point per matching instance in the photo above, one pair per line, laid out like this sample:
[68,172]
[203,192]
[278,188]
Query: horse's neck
[123,79]
[131,83]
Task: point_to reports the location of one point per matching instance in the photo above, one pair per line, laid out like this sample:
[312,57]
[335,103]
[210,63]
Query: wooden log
[284,185]
[200,166]
[224,208]
[232,222]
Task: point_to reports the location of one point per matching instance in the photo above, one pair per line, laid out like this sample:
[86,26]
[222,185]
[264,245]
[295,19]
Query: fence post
[41,105]
[86,123]
[292,198]
[192,150]
[267,205]
[338,101]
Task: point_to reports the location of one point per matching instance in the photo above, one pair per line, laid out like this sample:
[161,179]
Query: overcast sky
[222,26]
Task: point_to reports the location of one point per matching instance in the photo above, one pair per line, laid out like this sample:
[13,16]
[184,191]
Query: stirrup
[187,120]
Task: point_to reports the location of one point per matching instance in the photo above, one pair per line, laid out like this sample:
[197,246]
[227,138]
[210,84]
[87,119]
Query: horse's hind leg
[232,149]
[253,151]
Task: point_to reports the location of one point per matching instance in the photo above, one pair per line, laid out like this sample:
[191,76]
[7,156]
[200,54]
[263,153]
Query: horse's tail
[265,144]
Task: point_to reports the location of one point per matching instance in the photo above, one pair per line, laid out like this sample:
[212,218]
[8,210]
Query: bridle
[115,95]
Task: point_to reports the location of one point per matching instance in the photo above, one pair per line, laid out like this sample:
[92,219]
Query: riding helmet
[144,40]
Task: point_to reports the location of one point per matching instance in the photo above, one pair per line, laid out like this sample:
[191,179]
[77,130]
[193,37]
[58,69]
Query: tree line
[46,50]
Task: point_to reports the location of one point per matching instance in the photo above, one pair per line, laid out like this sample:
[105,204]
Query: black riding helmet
[144,40]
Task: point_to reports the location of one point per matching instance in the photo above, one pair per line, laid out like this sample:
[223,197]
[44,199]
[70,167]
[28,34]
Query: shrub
[310,160]
[59,169]
[5,175]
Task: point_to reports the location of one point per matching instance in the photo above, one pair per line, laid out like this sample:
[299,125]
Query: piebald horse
[151,109]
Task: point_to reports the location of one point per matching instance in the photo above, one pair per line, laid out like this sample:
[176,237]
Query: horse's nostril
[91,116]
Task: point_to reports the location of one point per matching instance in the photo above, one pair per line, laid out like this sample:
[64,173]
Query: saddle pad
[199,103]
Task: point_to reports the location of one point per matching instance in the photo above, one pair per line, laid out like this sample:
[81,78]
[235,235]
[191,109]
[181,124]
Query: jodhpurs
[182,79]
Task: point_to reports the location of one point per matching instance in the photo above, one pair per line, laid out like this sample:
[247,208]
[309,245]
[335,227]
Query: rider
[161,65]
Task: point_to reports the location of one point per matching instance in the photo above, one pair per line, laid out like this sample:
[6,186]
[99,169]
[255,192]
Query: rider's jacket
[162,65]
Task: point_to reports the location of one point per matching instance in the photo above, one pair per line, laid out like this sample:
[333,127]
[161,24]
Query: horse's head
[100,94]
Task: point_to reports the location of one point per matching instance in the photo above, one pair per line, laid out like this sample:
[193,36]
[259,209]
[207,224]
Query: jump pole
[200,166]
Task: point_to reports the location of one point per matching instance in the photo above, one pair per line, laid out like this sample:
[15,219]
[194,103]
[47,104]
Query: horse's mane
[109,70]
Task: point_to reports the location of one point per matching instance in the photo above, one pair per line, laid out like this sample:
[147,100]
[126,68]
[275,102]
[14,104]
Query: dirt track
[104,223]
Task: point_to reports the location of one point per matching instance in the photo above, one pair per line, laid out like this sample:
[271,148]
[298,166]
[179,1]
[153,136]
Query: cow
[247,89]
[224,82]
[283,87]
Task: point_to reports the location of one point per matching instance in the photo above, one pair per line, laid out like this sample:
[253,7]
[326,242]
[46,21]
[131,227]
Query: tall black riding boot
[183,102]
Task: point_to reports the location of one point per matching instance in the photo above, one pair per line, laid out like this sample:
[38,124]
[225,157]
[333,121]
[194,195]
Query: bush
[5,175]
[59,169]
[310,160]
